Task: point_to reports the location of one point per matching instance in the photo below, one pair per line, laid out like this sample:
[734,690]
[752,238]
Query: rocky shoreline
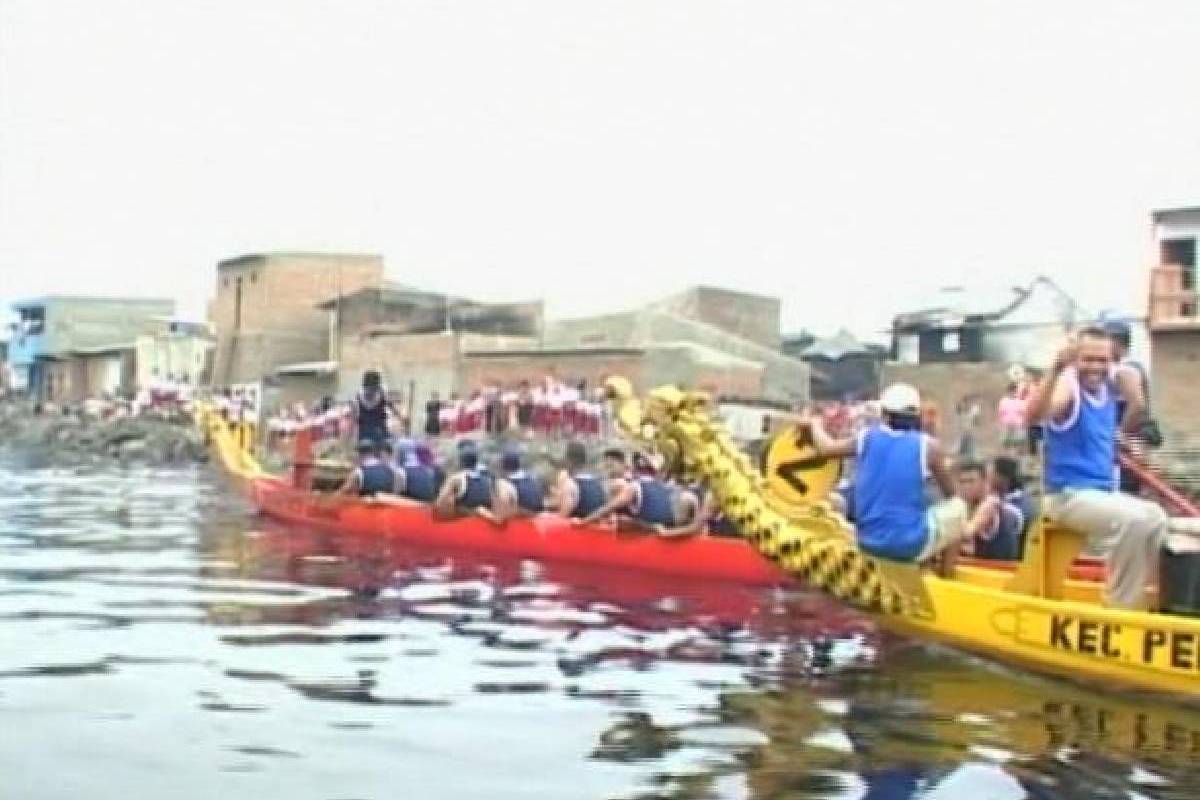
[71,438]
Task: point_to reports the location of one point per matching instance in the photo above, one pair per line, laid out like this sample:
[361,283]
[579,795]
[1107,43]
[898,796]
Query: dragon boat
[1047,615]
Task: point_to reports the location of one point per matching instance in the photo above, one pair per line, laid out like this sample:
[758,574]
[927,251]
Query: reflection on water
[161,641]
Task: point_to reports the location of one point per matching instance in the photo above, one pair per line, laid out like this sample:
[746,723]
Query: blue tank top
[889,494]
[376,479]
[420,483]
[653,505]
[529,492]
[1081,454]
[478,491]
[591,495]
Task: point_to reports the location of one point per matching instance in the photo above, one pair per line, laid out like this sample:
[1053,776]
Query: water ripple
[160,640]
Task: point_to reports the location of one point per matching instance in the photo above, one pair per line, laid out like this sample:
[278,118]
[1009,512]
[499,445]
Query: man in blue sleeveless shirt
[893,517]
[1078,403]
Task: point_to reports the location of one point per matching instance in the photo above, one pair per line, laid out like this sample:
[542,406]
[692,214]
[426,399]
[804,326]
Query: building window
[254,277]
[908,349]
[225,282]
[951,342]
[1183,253]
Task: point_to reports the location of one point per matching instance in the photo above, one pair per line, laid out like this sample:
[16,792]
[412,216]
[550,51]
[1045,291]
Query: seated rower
[616,471]
[996,525]
[893,516]
[1077,402]
[712,518]
[579,492]
[1005,480]
[517,493]
[414,479]
[469,490]
[372,475]
[653,504]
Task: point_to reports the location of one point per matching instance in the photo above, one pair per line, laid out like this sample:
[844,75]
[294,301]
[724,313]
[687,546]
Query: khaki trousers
[1126,531]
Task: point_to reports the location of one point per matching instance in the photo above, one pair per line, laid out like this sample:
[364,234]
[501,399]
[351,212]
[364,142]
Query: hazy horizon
[847,160]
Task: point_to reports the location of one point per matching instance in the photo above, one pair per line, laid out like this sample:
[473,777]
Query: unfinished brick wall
[1175,378]
[278,322]
[947,385]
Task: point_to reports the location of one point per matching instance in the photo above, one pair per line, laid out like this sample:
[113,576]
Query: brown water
[157,640]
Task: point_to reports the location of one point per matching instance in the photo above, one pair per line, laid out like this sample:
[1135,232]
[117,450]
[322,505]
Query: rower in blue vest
[469,490]
[372,475]
[894,518]
[651,503]
[578,491]
[518,493]
[414,479]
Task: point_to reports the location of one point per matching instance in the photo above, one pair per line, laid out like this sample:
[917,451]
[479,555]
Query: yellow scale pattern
[815,545]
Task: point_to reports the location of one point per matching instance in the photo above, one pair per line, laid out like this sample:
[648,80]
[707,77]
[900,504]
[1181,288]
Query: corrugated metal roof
[841,344]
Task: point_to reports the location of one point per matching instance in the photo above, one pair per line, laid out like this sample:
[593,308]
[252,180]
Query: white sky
[842,155]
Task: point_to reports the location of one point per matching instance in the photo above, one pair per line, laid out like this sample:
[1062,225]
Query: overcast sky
[842,155]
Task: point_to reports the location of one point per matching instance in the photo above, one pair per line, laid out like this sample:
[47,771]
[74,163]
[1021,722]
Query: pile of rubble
[68,437]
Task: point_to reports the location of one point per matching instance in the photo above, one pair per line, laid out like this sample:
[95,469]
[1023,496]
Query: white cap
[900,398]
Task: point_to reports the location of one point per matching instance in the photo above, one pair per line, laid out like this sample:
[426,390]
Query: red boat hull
[544,537]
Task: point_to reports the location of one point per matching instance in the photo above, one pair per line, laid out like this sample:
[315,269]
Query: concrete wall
[76,378]
[749,316]
[306,389]
[1174,382]
[948,384]
[698,369]
[165,356]
[78,323]
[277,322]
[784,379]
[428,360]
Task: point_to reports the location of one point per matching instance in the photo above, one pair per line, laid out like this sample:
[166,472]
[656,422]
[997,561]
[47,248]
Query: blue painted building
[49,331]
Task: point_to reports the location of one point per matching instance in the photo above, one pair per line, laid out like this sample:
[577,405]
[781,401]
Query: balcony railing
[1171,304]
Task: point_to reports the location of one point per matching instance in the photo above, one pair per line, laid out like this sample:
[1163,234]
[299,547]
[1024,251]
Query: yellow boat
[1036,617]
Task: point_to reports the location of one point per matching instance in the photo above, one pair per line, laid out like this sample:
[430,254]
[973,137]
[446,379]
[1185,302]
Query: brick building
[265,312]
[418,339]
[425,342]
[1174,318]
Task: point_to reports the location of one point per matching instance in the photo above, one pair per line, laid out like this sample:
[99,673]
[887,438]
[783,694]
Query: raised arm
[827,445]
[1054,396]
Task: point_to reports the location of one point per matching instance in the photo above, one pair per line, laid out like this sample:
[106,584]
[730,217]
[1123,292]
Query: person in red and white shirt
[572,409]
[448,415]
